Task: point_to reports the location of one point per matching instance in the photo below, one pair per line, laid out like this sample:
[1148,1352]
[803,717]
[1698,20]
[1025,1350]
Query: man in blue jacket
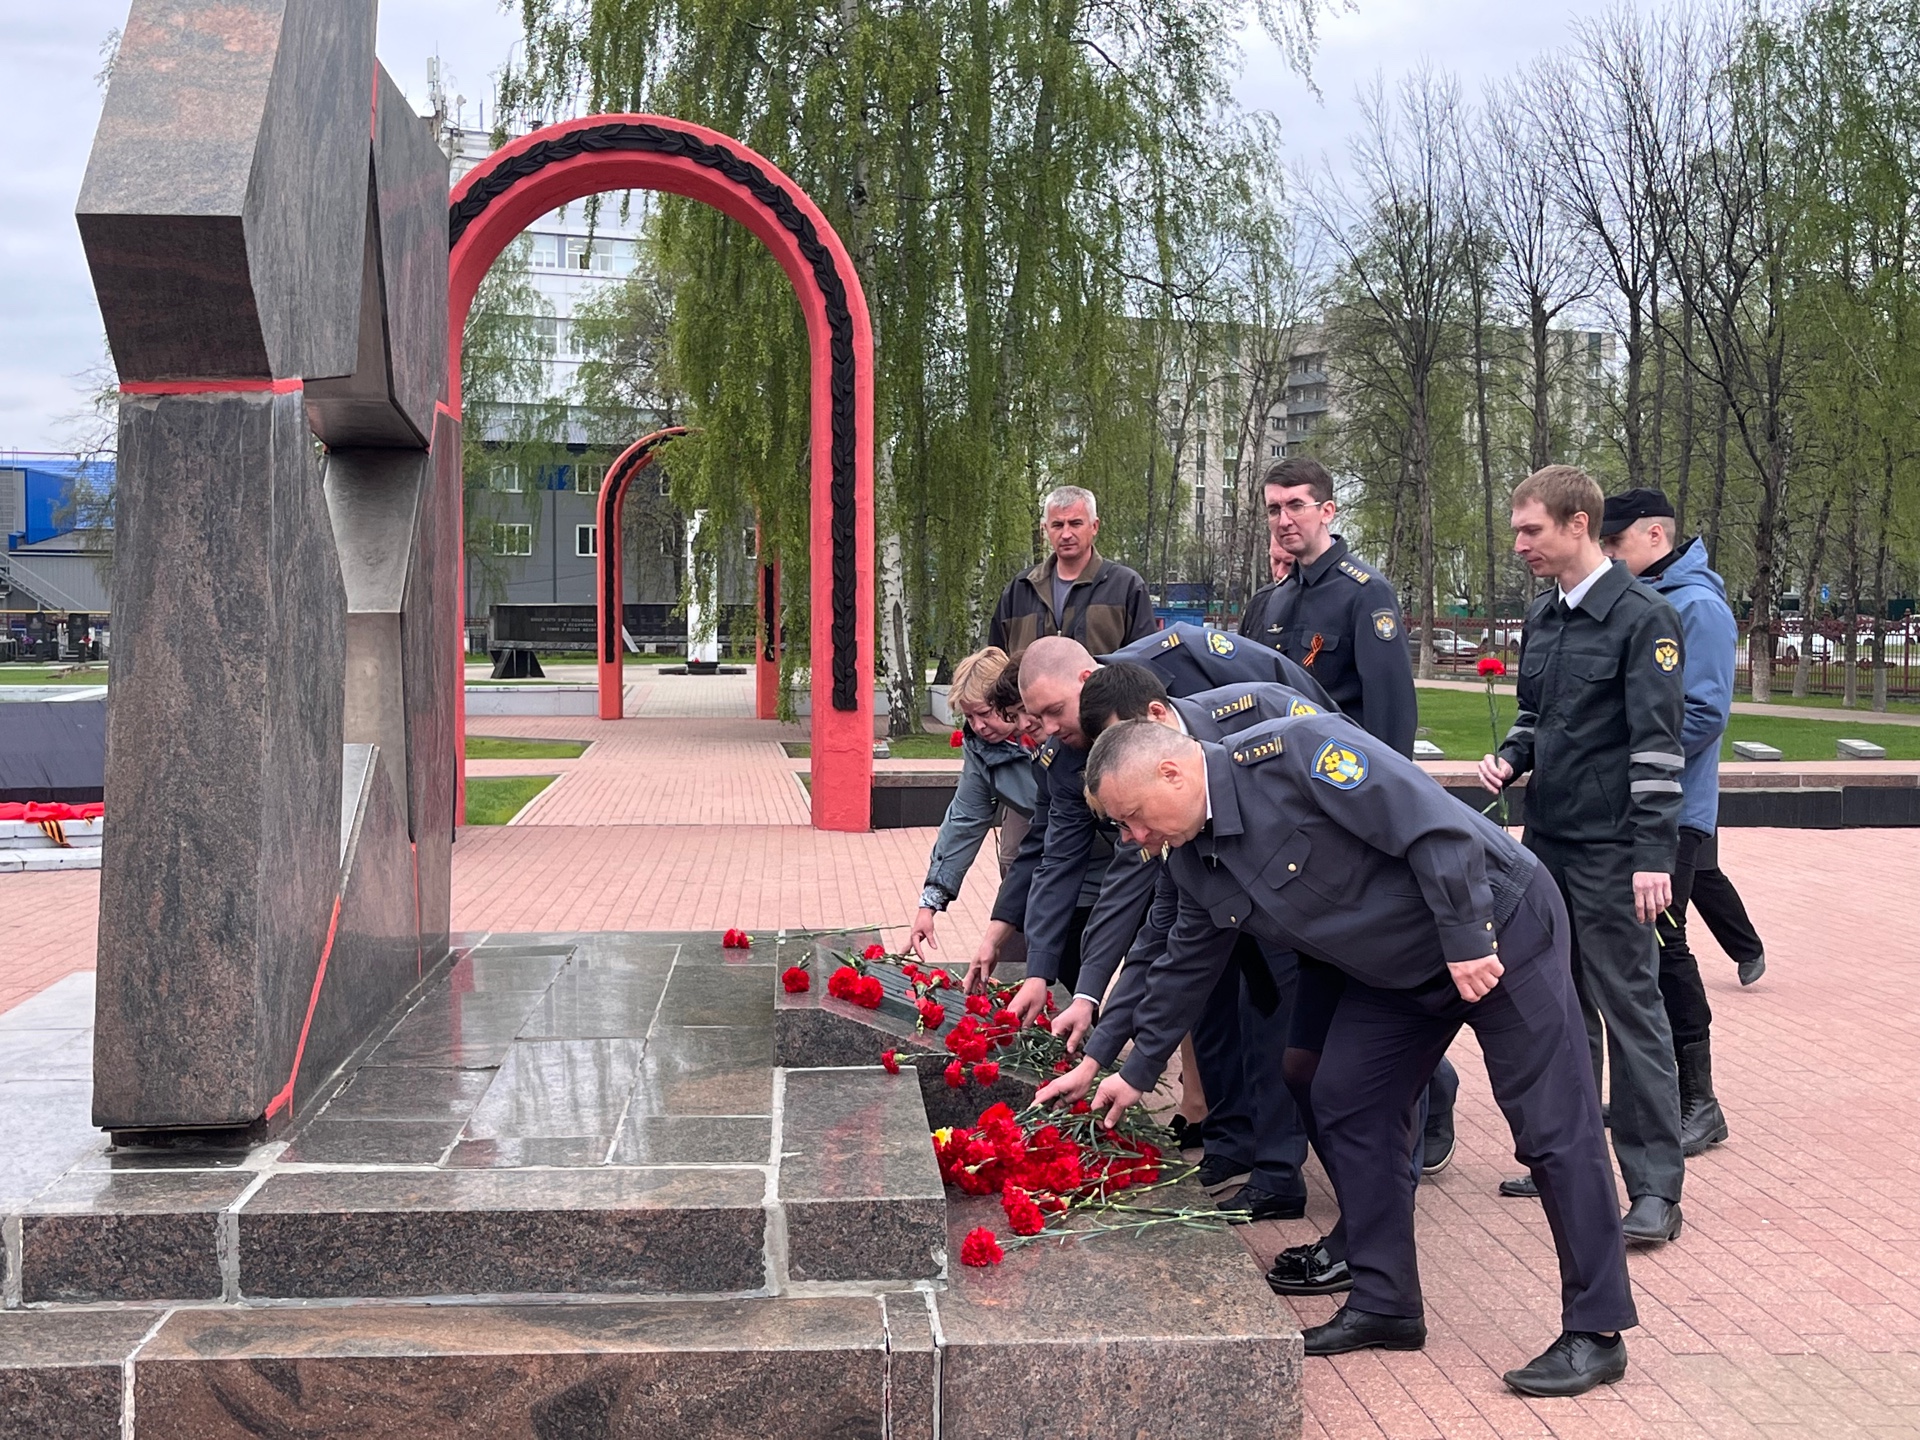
[1637,530]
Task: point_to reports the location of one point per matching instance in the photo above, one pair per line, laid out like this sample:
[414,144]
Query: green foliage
[489,747]
[496,801]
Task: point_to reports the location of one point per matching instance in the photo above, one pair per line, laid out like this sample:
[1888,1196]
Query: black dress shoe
[1651,1221]
[1572,1365]
[1250,1203]
[1521,1187]
[1308,1270]
[1186,1133]
[1752,970]
[1216,1172]
[1352,1329]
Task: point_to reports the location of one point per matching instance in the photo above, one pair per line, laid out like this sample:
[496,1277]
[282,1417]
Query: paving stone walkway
[1790,1306]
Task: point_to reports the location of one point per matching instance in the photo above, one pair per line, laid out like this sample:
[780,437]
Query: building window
[546,252]
[505,479]
[1276,452]
[513,539]
[546,334]
[665,483]
[1276,421]
[587,479]
[586,539]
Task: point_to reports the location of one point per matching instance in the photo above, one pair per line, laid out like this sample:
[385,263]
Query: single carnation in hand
[986,1072]
[959,739]
[981,1248]
[1491,665]
[796,980]
[890,1061]
[956,1076]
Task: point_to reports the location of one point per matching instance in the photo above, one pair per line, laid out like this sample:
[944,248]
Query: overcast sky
[49,54]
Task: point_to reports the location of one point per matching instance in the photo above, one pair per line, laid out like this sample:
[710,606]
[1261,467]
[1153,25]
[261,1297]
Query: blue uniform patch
[1341,766]
[1301,707]
[1218,643]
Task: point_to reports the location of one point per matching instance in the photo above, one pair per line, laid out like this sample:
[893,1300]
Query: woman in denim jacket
[997,783]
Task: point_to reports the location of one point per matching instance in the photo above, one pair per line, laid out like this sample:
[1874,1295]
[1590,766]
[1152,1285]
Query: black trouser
[1719,905]
[1381,1049]
[1318,994]
[1251,1117]
[1616,970]
[1680,986]
[1070,948]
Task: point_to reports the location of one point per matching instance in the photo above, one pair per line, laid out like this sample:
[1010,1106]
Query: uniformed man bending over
[1314,839]
[1601,694]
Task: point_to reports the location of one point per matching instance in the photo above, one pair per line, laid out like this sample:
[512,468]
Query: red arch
[561,163]
[609,590]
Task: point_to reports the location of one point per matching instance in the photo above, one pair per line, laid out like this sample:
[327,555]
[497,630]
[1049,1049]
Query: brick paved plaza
[1790,1306]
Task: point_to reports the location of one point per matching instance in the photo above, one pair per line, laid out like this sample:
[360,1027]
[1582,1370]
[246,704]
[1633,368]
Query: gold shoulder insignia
[1347,567]
[1234,707]
[1301,707]
[1172,639]
[1047,753]
[1254,754]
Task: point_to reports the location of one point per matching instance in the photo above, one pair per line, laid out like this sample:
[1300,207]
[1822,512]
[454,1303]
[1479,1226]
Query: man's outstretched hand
[1071,1025]
[1071,1086]
[1115,1096]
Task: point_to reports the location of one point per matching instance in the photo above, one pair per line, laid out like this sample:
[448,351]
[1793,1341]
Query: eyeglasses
[1295,507]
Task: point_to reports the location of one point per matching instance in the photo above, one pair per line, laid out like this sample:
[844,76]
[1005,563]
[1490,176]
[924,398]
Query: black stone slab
[491,1232]
[715,1071]
[515,1151]
[858,1181]
[505,969]
[220,873]
[112,1235]
[904,800]
[1805,809]
[796,1369]
[694,1140]
[739,995]
[60,1372]
[1880,805]
[600,998]
[394,1093]
[913,1396]
[469,1030]
[55,750]
[372,1142]
[558,1088]
[224,203]
[1169,1332]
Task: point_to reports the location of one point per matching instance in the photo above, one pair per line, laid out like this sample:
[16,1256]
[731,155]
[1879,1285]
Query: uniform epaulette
[1172,639]
[1233,707]
[1353,571]
[1047,752]
[1254,754]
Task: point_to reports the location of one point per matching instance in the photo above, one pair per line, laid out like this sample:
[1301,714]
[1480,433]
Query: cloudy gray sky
[49,54]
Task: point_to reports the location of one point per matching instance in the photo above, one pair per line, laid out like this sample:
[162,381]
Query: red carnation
[867,992]
[932,1014]
[979,1005]
[986,1072]
[890,1061]
[875,951]
[1023,1215]
[1044,1023]
[797,981]
[938,979]
[981,1248]
[736,940]
[956,1077]
[1491,665]
[840,984]
[959,739]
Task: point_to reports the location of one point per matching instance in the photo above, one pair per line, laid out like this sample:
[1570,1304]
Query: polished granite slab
[60,1372]
[110,1235]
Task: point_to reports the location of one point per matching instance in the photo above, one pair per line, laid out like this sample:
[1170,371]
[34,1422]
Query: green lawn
[1456,721]
[488,747]
[495,802]
[43,675]
[1783,695]
[904,747]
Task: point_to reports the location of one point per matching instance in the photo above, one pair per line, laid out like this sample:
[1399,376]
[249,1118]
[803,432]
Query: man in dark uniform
[1601,698]
[1255,619]
[1340,618]
[1335,615]
[1310,837]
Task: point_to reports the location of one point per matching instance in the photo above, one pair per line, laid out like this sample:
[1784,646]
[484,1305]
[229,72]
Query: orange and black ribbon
[1313,651]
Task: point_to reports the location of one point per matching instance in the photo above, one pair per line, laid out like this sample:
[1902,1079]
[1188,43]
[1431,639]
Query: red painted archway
[551,167]
[610,591]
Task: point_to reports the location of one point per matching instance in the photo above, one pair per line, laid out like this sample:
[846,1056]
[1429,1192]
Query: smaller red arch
[613,498]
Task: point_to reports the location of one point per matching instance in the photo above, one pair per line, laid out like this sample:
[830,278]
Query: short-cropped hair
[1065,497]
[1126,743]
[1300,470]
[1118,692]
[1564,491]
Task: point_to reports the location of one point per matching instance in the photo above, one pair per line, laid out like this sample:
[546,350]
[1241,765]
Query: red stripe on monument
[211,387]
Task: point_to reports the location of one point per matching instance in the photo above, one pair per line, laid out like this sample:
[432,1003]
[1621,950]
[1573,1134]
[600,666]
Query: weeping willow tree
[1020,184]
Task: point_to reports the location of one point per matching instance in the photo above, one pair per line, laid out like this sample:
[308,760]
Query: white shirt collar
[1579,592]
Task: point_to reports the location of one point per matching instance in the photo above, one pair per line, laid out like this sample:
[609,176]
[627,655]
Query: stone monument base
[608,1185]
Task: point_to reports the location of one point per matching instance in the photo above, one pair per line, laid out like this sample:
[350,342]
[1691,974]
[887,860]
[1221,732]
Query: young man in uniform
[1601,702]
[1309,836]
[1637,531]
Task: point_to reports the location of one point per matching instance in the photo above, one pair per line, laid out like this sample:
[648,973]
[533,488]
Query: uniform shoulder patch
[1047,752]
[1234,707]
[1170,639]
[1218,643]
[1261,750]
[1302,707]
[1666,653]
[1385,624]
[1341,766]
[1353,571]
